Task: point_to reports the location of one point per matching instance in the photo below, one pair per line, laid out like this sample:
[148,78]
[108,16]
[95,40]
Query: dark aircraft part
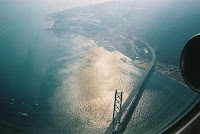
[190,63]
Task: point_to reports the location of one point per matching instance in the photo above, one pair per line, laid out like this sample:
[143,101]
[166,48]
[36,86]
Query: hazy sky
[59,5]
[48,6]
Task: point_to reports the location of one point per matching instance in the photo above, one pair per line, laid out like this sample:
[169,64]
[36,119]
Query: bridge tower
[117,112]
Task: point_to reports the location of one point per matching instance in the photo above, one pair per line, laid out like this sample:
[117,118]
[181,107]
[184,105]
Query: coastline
[180,122]
[172,78]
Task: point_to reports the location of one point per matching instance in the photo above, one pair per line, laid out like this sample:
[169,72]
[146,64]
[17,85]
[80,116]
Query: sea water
[66,85]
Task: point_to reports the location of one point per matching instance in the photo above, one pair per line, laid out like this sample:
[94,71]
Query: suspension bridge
[123,113]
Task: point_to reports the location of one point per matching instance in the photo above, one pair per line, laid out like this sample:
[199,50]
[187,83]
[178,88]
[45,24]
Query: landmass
[115,30]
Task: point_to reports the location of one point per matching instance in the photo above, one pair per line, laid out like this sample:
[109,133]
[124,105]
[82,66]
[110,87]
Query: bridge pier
[117,111]
[132,101]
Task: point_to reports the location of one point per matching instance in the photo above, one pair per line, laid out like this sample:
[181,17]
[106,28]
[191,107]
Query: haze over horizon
[61,62]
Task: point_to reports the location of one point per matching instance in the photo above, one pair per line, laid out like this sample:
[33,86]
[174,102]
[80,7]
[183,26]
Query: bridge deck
[129,104]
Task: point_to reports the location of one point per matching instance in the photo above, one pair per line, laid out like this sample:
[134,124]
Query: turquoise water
[163,102]
[58,85]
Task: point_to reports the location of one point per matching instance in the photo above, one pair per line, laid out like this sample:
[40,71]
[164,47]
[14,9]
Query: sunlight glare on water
[89,89]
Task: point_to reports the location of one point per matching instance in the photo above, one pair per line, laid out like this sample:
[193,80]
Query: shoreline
[179,123]
[172,78]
